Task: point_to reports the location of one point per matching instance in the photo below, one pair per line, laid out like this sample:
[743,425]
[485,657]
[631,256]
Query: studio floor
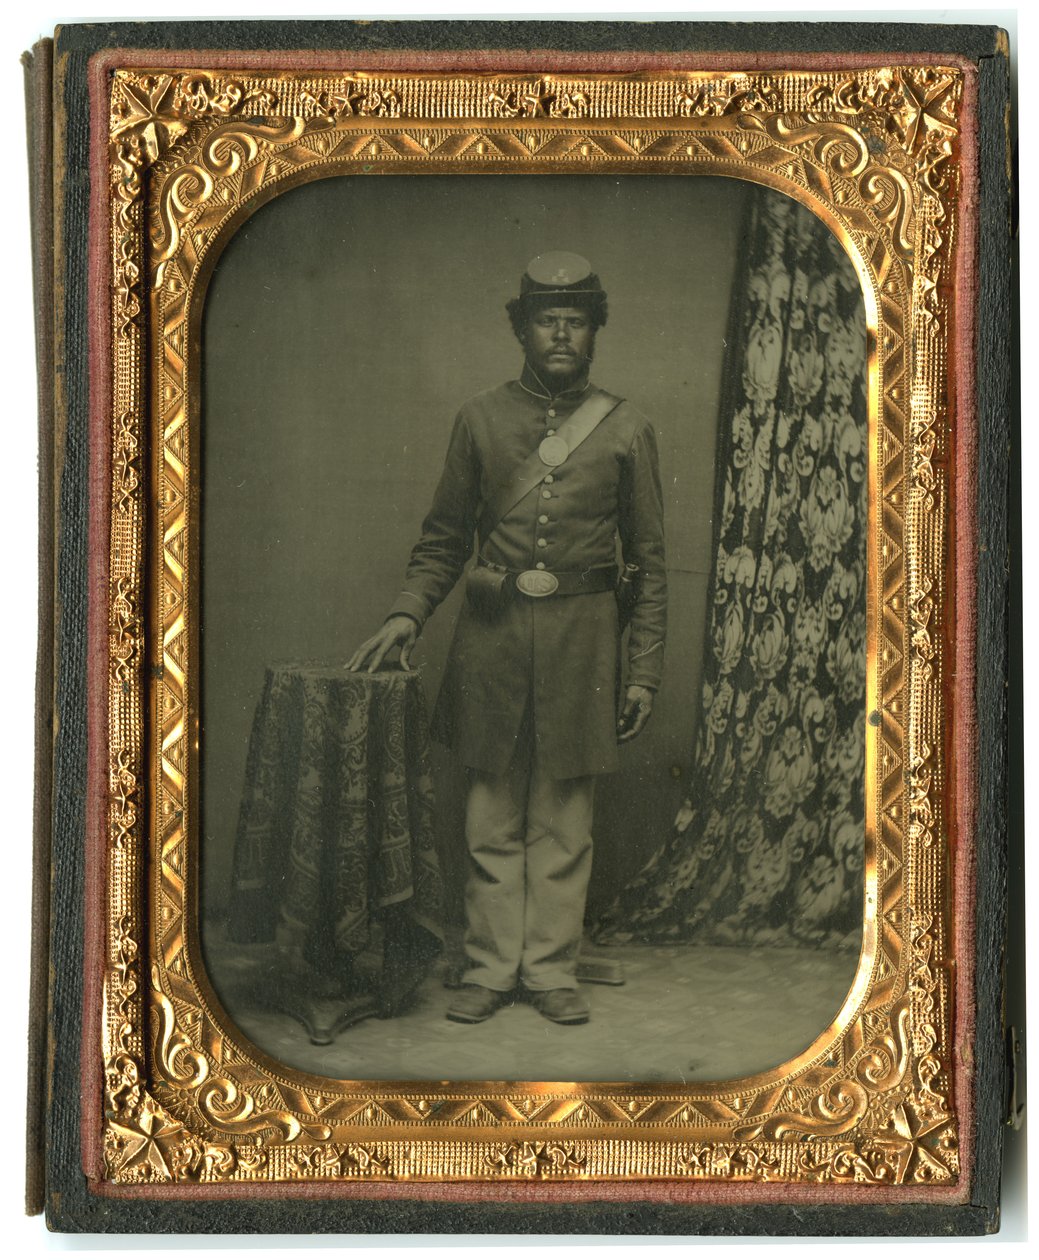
[683,1013]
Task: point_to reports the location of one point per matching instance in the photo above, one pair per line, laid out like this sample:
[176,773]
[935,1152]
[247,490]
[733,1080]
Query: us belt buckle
[536,583]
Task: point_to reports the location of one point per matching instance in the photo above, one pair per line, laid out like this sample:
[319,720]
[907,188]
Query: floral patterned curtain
[768,847]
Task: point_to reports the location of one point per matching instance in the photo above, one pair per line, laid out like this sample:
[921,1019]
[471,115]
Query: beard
[560,368]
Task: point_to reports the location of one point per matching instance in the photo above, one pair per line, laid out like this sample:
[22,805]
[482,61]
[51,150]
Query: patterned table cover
[335,854]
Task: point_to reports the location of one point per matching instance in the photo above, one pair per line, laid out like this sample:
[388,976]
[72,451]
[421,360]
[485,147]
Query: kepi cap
[562,273]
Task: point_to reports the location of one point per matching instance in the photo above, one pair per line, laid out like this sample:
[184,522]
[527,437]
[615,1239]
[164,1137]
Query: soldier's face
[558,344]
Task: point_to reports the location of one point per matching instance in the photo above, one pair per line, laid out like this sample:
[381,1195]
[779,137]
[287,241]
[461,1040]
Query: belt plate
[536,583]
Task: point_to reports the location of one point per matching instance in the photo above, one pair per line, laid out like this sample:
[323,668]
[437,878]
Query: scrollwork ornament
[921,610]
[880,1069]
[921,810]
[316,1161]
[924,446]
[566,103]
[153,112]
[337,1161]
[352,100]
[122,1085]
[124,802]
[842,151]
[907,1144]
[124,609]
[196,96]
[128,275]
[514,102]
[925,991]
[915,106]
[696,1161]
[730,1161]
[185,193]
[365,1161]
[872,99]
[126,470]
[714,100]
[120,1000]
[219,1100]
[542,99]
[129,162]
[846,1164]
[745,1161]
[535,1159]
[194,1160]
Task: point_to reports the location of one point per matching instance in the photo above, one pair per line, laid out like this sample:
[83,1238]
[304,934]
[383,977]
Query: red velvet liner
[959,627]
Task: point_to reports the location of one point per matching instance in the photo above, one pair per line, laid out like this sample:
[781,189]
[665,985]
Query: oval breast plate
[553,451]
[536,583]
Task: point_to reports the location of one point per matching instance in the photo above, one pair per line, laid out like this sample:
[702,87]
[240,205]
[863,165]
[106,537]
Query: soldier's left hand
[638,705]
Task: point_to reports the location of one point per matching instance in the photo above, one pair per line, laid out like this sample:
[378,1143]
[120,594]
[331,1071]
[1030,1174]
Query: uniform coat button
[542,542]
[542,519]
[540,564]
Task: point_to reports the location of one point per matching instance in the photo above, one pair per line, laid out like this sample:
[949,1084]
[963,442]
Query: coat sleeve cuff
[408,605]
[646,666]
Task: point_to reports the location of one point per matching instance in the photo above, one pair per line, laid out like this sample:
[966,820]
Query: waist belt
[539,583]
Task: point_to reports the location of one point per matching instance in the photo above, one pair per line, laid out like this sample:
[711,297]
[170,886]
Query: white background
[21,25]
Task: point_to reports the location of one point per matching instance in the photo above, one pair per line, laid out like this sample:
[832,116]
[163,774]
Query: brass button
[542,519]
[542,542]
[540,564]
[552,412]
[549,479]
[549,432]
[546,494]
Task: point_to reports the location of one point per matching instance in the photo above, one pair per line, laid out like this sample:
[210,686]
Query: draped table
[334,857]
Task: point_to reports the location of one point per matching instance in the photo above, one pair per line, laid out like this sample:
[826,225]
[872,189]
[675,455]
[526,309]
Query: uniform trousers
[529,837]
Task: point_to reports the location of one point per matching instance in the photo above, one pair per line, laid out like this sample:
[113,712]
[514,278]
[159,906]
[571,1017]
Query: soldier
[545,474]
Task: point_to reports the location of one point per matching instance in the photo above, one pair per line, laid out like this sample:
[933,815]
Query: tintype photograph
[542,520]
[533,518]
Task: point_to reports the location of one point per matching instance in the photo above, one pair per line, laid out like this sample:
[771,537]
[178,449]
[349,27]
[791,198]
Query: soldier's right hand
[399,631]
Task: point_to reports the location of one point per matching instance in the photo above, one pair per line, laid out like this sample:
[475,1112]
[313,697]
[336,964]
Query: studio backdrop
[345,324]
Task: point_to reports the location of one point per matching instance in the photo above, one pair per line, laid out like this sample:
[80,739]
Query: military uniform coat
[558,655]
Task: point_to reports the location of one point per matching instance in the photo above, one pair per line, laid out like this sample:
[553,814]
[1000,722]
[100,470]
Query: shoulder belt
[531,471]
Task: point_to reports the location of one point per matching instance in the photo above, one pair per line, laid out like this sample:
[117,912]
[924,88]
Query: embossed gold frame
[877,1102]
